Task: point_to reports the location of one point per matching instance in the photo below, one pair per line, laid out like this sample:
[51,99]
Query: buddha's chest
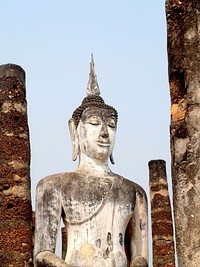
[97,199]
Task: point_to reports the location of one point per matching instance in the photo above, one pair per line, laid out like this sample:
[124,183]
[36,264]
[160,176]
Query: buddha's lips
[103,143]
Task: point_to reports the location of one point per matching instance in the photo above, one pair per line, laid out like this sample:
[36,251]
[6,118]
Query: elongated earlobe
[111,159]
[74,138]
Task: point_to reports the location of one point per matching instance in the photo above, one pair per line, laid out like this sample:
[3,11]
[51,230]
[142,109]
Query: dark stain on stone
[181,131]
[121,239]
[98,243]
[132,207]
[106,254]
[142,225]
[109,237]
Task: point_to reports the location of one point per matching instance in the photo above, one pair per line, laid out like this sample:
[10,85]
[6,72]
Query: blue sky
[53,41]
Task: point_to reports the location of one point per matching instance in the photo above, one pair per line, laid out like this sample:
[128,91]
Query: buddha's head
[93,124]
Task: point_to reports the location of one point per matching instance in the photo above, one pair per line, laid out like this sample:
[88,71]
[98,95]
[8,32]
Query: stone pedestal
[183,31]
[15,200]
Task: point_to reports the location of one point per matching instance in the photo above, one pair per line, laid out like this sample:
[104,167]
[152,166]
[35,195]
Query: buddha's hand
[138,261]
[49,259]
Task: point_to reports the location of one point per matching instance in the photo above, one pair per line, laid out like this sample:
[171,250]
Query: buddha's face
[96,133]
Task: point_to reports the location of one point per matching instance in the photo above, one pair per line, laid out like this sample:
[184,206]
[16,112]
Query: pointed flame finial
[92,86]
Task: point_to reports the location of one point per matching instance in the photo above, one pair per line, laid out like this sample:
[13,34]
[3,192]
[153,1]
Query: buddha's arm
[49,259]
[48,216]
[139,232]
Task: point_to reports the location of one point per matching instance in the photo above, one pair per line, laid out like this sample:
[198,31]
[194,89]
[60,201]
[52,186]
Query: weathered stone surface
[161,216]
[183,23]
[105,215]
[15,202]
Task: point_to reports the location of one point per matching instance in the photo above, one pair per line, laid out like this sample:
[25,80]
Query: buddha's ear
[111,159]
[74,138]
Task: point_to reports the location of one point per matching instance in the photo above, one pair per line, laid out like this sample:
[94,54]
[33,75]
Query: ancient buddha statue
[105,215]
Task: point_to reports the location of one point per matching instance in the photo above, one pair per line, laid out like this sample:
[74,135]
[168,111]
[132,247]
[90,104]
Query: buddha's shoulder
[130,185]
[57,179]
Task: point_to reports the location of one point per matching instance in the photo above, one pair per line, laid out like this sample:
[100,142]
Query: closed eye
[111,122]
[94,120]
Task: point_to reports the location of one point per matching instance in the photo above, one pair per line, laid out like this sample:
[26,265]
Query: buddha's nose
[104,131]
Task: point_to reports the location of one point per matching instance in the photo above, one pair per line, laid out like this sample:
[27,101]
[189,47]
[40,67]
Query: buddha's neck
[88,165]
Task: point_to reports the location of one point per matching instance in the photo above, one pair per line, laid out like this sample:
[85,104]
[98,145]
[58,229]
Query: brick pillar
[161,216]
[15,200]
[183,30]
